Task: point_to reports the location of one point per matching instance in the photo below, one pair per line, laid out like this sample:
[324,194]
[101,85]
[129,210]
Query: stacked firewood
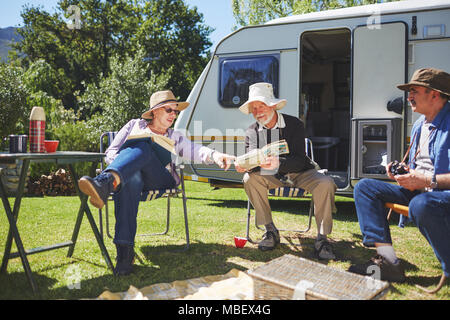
[58,183]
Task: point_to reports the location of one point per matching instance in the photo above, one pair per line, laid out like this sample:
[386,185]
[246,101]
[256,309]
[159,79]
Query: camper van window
[237,74]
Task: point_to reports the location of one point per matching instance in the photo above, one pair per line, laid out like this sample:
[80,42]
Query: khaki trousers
[319,185]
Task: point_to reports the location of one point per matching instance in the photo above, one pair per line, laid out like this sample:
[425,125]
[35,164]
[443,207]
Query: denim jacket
[439,141]
[439,146]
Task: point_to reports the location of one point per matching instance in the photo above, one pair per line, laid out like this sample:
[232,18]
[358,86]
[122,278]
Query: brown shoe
[270,240]
[98,188]
[387,271]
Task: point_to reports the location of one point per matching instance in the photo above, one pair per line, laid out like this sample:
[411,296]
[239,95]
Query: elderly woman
[135,166]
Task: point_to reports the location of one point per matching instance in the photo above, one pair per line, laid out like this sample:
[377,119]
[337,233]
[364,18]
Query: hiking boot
[98,188]
[324,250]
[125,260]
[269,241]
[387,271]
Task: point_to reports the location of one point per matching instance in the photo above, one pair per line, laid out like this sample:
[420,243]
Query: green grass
[215,217]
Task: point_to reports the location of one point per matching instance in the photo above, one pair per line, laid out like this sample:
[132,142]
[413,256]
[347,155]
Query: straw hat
[263,92]
[430,78]
[163,98]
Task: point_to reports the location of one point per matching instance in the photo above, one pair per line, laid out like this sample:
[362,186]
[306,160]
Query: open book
[256,157]
[162,145]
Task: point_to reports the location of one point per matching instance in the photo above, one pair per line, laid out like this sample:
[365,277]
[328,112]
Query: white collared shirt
[274,132]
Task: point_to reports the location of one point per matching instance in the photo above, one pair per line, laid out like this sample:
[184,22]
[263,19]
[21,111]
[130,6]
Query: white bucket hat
[262,91]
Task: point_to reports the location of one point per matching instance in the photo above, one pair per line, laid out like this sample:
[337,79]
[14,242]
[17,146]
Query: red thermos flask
[37,130]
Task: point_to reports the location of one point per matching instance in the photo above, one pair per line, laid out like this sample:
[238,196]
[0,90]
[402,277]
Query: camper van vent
[434,31]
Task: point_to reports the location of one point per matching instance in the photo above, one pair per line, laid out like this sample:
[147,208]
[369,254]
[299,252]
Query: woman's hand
[223,160]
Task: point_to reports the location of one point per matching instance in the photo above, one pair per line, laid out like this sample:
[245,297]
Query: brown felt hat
[430,78]
[163,98]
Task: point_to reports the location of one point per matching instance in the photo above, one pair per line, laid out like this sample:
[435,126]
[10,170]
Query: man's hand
[388,171]
[239,169]
[271,163]
[413,180]
[389,166]
[223,160]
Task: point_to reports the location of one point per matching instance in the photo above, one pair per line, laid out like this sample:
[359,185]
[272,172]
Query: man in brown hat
[425,187]
[136,166]
[293,170]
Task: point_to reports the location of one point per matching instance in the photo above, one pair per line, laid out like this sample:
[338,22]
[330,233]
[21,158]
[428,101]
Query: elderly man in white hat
[135,166]
[292,170]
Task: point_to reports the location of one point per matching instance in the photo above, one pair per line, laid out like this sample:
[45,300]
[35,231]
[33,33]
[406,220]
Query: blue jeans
[139,170]
[430,212]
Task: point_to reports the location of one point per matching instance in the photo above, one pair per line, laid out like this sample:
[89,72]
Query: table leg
[84,208]
[13,232]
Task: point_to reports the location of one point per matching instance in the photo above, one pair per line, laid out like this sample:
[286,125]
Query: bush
[40,76]
[122,96]
[13,95]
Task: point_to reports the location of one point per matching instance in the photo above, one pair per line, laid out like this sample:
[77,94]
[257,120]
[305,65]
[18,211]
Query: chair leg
[186,226]
[107,221]
[439,286]
[310,215]
[167,223]
[248,223]
[100,223]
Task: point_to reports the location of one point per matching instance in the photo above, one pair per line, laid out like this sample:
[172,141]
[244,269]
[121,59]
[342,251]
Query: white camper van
[338,70]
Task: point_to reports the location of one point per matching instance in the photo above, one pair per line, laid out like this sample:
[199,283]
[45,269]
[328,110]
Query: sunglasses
[170,110]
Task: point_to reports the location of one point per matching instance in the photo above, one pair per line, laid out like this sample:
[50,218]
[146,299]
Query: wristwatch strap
[433,184]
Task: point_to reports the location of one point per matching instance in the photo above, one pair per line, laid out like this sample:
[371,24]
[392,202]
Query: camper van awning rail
[366,10]
[217,138]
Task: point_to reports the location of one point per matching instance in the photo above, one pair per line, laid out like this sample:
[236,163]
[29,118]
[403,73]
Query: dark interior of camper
[325,98]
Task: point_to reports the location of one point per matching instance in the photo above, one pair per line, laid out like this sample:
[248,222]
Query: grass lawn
[215,217]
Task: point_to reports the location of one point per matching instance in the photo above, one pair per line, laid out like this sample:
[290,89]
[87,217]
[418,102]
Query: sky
[216,13]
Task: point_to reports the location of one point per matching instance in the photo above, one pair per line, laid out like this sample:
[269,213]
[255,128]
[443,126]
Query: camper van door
[379,64]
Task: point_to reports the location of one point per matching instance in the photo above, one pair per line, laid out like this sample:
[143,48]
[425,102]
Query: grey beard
[268,119]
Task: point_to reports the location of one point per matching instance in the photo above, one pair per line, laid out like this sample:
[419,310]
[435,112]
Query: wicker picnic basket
[279,279]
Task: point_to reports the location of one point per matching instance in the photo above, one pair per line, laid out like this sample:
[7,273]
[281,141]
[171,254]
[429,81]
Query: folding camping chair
[148,196]
[291,192]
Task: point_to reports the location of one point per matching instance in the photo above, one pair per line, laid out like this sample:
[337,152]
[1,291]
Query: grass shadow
[13,284]
[346,211]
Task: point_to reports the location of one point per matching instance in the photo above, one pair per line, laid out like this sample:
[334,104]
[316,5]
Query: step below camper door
[379,65]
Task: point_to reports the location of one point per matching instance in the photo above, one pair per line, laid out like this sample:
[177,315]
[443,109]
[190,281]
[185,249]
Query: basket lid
[290,271]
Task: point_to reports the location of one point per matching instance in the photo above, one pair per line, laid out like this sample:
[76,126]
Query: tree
[78,44]
[252,12]
[40,76]
[123,95]
[13,94]
[174,36]
[82,53]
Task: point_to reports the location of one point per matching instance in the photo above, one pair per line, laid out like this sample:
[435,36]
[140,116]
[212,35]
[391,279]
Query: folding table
[64,158]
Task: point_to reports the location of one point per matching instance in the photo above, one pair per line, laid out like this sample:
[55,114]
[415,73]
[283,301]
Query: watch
[433,184]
